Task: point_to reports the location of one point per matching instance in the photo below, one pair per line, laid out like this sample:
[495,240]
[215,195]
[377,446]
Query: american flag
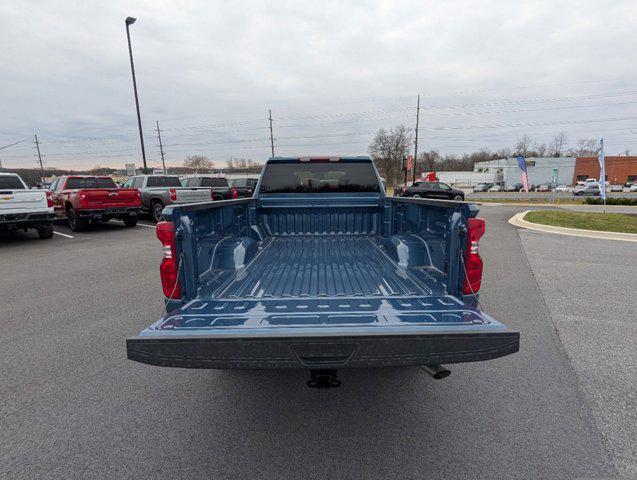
[523,175]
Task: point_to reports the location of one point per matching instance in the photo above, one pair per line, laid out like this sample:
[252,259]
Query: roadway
[74,406]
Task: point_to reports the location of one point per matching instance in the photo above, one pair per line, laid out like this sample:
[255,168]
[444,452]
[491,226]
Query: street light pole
[129,21]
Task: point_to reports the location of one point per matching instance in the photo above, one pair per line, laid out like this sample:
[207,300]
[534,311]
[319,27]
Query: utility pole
[416,141]
[271,132]
[161,147]
[37,145]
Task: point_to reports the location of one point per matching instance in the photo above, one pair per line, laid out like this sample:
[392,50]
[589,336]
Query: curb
[518,221]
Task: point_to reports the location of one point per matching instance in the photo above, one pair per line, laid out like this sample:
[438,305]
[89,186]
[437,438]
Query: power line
[14,143]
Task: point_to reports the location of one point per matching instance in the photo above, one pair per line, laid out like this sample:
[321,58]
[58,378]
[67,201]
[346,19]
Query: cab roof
[320,158]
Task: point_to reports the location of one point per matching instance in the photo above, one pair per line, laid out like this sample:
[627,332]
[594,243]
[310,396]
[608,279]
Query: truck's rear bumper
[109,212]
[15,221]
[322,352]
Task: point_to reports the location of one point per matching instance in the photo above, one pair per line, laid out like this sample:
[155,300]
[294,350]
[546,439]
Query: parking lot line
[63,234]
[146,225]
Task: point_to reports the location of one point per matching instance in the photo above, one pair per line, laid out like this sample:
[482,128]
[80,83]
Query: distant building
[540,169]
[466,179]
[619,170]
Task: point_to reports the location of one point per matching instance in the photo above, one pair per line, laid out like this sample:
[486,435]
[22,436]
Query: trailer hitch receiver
[323,379]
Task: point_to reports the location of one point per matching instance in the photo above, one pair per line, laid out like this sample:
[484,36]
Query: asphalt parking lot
[75,407]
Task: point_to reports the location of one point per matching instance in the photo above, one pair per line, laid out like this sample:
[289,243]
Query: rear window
[91,182]
[214,182]
[313,177]
[10,183]
[163,182]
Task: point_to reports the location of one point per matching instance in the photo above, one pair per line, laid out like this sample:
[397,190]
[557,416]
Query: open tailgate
[322,333]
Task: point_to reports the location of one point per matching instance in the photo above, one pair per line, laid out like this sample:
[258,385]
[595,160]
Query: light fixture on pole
[129,21]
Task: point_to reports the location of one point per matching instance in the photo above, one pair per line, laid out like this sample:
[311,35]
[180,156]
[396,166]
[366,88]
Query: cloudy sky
[332,72]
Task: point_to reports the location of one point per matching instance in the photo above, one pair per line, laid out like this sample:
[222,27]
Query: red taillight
[173,194]
[49,200]
[168,270]
[473,262]
[235,193]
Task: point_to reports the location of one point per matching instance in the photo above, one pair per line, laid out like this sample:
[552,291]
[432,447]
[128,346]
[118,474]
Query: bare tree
[503,153]
[388,148]
[198,163]
[586,147]
[429,160]
[99,170]
[230,164]
[557,145]
[523,147]
[540,149]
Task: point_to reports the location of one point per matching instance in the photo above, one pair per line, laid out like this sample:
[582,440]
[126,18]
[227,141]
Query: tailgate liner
[315,352]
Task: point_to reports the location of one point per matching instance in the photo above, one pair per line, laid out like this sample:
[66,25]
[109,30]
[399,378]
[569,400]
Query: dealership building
[619,169]
[562,170]
[540,169]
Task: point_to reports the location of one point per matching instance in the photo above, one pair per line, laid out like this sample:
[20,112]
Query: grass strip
[606,222]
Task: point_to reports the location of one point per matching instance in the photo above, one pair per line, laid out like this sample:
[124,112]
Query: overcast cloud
[332,72]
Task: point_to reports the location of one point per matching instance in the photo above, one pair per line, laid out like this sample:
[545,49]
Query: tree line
[201,163]
[389,147]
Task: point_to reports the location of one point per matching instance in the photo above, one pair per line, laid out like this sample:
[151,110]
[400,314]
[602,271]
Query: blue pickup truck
[320,270]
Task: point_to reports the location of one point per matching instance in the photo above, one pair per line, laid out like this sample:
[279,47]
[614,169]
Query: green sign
[554,176]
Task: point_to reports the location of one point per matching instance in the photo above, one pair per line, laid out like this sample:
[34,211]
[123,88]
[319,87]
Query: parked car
[245,185]
[562,188]
[633,187]
[89,199]
[157,191]
[590,189]
[592,181]
[545,187]
[23,209]
[516,187]
[496,188]
[220,188]
[616,188]
[433,190]
[482,187]
[319,271]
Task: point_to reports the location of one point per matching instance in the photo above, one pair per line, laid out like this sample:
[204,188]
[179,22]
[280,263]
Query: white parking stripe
[63,234]
[146,225]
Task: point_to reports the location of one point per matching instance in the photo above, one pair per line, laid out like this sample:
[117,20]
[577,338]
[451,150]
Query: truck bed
[320,281]
[319,266]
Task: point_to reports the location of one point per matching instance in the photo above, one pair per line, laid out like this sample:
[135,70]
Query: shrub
[611,201]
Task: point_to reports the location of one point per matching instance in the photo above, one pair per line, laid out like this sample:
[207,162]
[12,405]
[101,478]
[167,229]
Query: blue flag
[523,175]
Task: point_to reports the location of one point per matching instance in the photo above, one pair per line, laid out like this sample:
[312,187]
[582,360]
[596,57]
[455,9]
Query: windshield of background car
[10,183]
[315,177]
[163,182]
[91,182]
[214,182]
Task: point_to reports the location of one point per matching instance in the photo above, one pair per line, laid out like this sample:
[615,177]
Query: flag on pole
[602,171]
[523,175]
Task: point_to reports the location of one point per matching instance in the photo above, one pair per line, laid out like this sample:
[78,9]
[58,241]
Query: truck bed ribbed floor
[323,266]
